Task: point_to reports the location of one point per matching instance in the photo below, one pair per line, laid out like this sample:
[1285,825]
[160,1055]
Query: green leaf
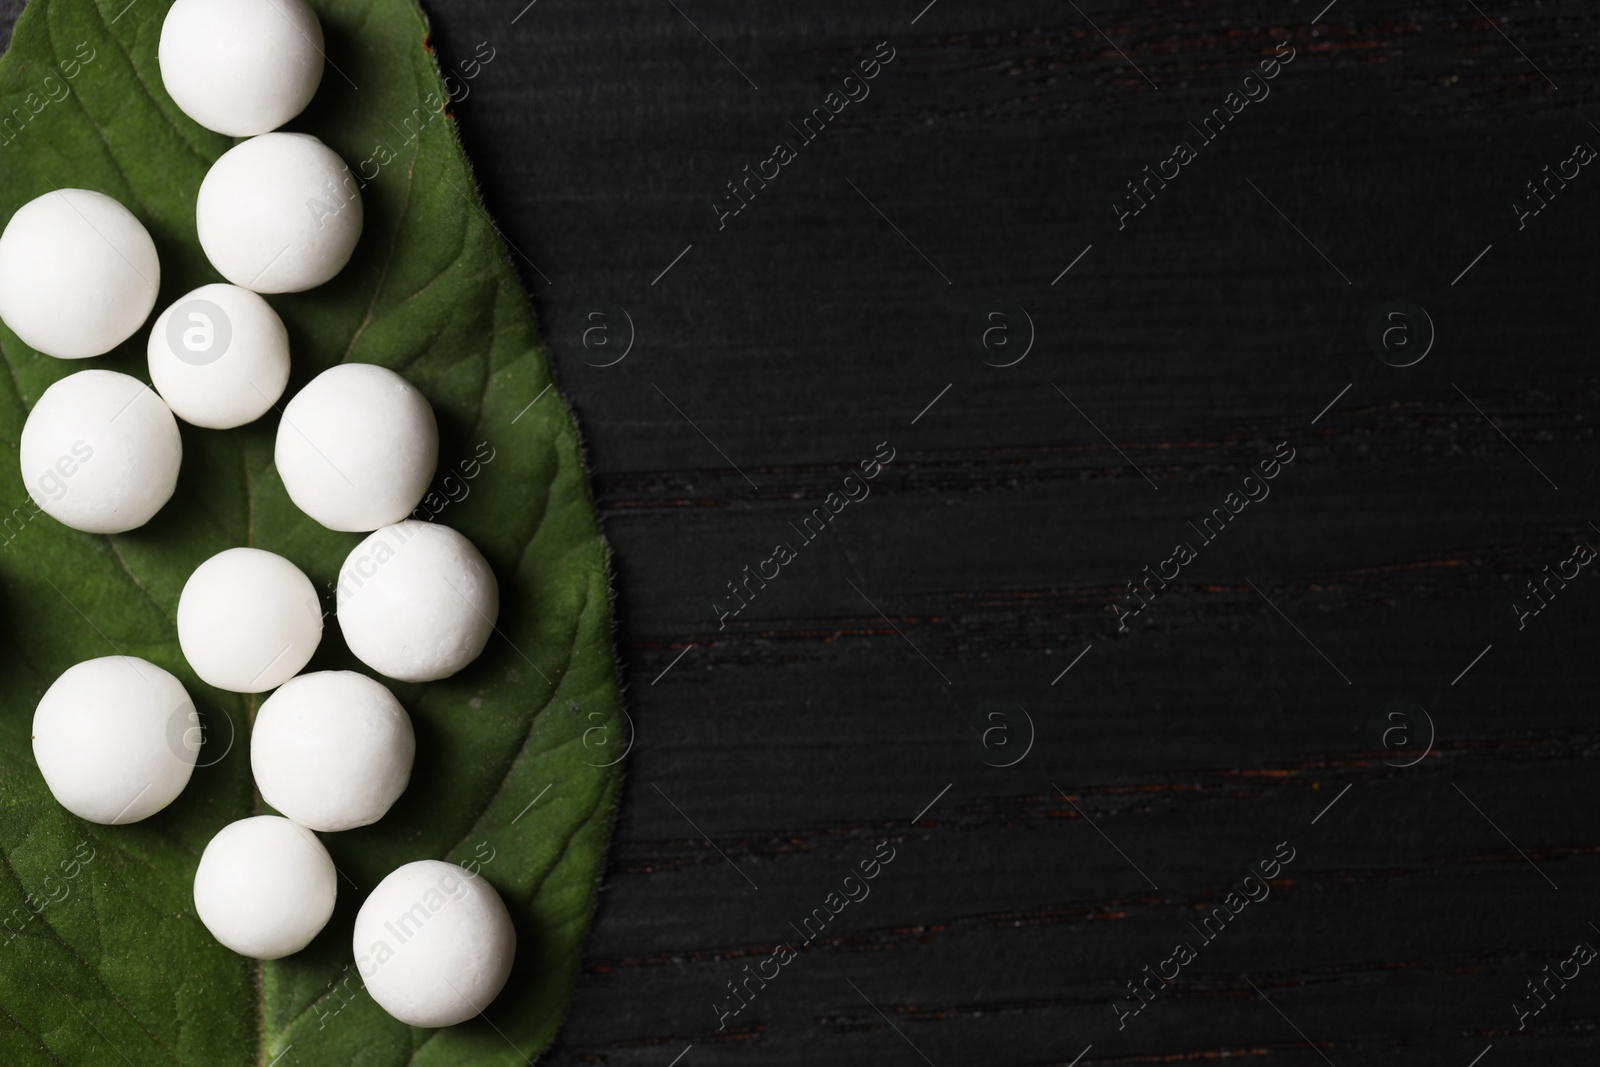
[109,963]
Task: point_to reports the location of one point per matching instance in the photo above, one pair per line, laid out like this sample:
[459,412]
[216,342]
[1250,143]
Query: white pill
[434,944]
[265,887]
[416,601]
[115,739]
[100,452]
[248,620]
[241,67]
[279,213]
[219,357]
[332,750]
[78,273]
[357,447]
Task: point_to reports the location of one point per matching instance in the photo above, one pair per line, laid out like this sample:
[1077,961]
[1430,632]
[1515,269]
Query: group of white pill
[356,448]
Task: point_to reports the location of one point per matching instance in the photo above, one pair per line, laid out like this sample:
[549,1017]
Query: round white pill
[279,213]
[100,452]
[248,620]
[241,67]
[357,447]
[78,273]
[434,944]
[219,357]
[115,739]
[416,601]
[332,750]
[265,887]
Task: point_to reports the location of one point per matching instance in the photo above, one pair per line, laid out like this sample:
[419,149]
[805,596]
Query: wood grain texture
[780,350]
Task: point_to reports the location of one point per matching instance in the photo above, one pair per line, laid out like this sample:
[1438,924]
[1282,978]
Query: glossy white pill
[100,452]
[332,750]
[78,273]
[357,447]
[265,887]
[417,601]
[434,944]
[219,356]
[241,67]
[279,213]
[115,739]
[248,620]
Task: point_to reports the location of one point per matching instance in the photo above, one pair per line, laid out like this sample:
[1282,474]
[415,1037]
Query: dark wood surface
[777,353]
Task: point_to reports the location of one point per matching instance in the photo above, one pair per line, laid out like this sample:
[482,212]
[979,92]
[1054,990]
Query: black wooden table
[1171,590]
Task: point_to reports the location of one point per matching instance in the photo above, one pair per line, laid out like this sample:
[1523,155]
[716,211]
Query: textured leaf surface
[104,961]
